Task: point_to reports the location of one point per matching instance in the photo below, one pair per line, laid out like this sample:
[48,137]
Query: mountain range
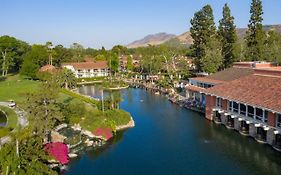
[185,38]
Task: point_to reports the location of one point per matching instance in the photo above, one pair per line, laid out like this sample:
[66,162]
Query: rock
[88,133]
[76,127]
[57,137]
[72,155]
[131,124]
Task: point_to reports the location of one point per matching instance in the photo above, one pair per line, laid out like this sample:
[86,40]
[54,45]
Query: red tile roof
[194,88]
[225,75]
[207,80]
[88,65]
[47,68]
[257,90]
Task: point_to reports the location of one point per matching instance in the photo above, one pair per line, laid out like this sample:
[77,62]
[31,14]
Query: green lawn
[14,88]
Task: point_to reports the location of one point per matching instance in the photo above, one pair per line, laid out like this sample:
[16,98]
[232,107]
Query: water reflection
[245,151]
[171,140]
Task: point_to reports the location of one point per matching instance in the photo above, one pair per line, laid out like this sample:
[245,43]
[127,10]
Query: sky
[97,23]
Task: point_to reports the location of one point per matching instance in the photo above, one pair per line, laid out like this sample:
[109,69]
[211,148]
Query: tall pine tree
[203,32]
[255,37]
[228,37]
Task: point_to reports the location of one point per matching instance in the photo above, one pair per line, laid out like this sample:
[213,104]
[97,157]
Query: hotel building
[88,69]
[246,98]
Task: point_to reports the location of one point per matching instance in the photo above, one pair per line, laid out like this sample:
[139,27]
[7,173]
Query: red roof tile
[88,65]
[257,90]
[194,88]
[225,75]
[207,80]
[47,68]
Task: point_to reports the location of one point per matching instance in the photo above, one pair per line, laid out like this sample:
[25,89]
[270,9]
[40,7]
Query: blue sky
[96,23]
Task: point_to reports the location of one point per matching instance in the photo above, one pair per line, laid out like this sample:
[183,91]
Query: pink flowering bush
[59,151]
[104,132]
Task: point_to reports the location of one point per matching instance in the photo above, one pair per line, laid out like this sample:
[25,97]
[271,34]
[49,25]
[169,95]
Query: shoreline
[117,88]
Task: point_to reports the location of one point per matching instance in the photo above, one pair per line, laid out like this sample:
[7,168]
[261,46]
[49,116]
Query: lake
[170,140]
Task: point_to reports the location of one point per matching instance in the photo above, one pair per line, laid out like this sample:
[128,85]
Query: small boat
[157,93]
[72,155]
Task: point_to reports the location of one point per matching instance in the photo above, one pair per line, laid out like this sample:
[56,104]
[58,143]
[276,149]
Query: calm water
[170,140]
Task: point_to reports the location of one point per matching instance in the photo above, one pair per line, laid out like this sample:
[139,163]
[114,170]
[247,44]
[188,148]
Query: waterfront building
[246,98]
[88,69]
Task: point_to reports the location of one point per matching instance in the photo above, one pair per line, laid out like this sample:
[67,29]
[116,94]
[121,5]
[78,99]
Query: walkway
[22,121]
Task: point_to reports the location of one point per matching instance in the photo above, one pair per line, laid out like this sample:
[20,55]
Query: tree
[77,51]
[272,49]
[114,99]
[100,57]
[113,62]
[61,54]
[28,158]
[66,78]
[43,108]
[33,60]
[202,30]
[120,50]
[11,53]
[255,37]
[228,37]
[129,65]
[212,60]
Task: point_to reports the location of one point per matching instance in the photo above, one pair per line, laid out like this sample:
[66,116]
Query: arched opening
[261,135]
[229,122]
[277,142]
[244,128]
[3,119]
[217,118]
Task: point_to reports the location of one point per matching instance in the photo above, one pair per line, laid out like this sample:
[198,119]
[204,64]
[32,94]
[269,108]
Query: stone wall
[252,130]
[236,124]
[223,119]
[270,136]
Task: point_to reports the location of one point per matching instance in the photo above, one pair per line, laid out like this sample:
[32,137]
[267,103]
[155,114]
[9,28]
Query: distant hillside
[185,38]
[155,39]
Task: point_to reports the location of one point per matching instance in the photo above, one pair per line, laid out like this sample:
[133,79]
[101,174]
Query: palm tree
[67,79]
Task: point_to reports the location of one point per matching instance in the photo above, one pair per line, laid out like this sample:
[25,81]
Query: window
[235,107]
[242,109]
[265,116]
[250,111]
[230,105]
[218,102]
[259,114]
[278,122]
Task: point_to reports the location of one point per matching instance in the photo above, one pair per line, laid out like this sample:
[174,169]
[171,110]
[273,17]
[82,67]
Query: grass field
[15,87]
